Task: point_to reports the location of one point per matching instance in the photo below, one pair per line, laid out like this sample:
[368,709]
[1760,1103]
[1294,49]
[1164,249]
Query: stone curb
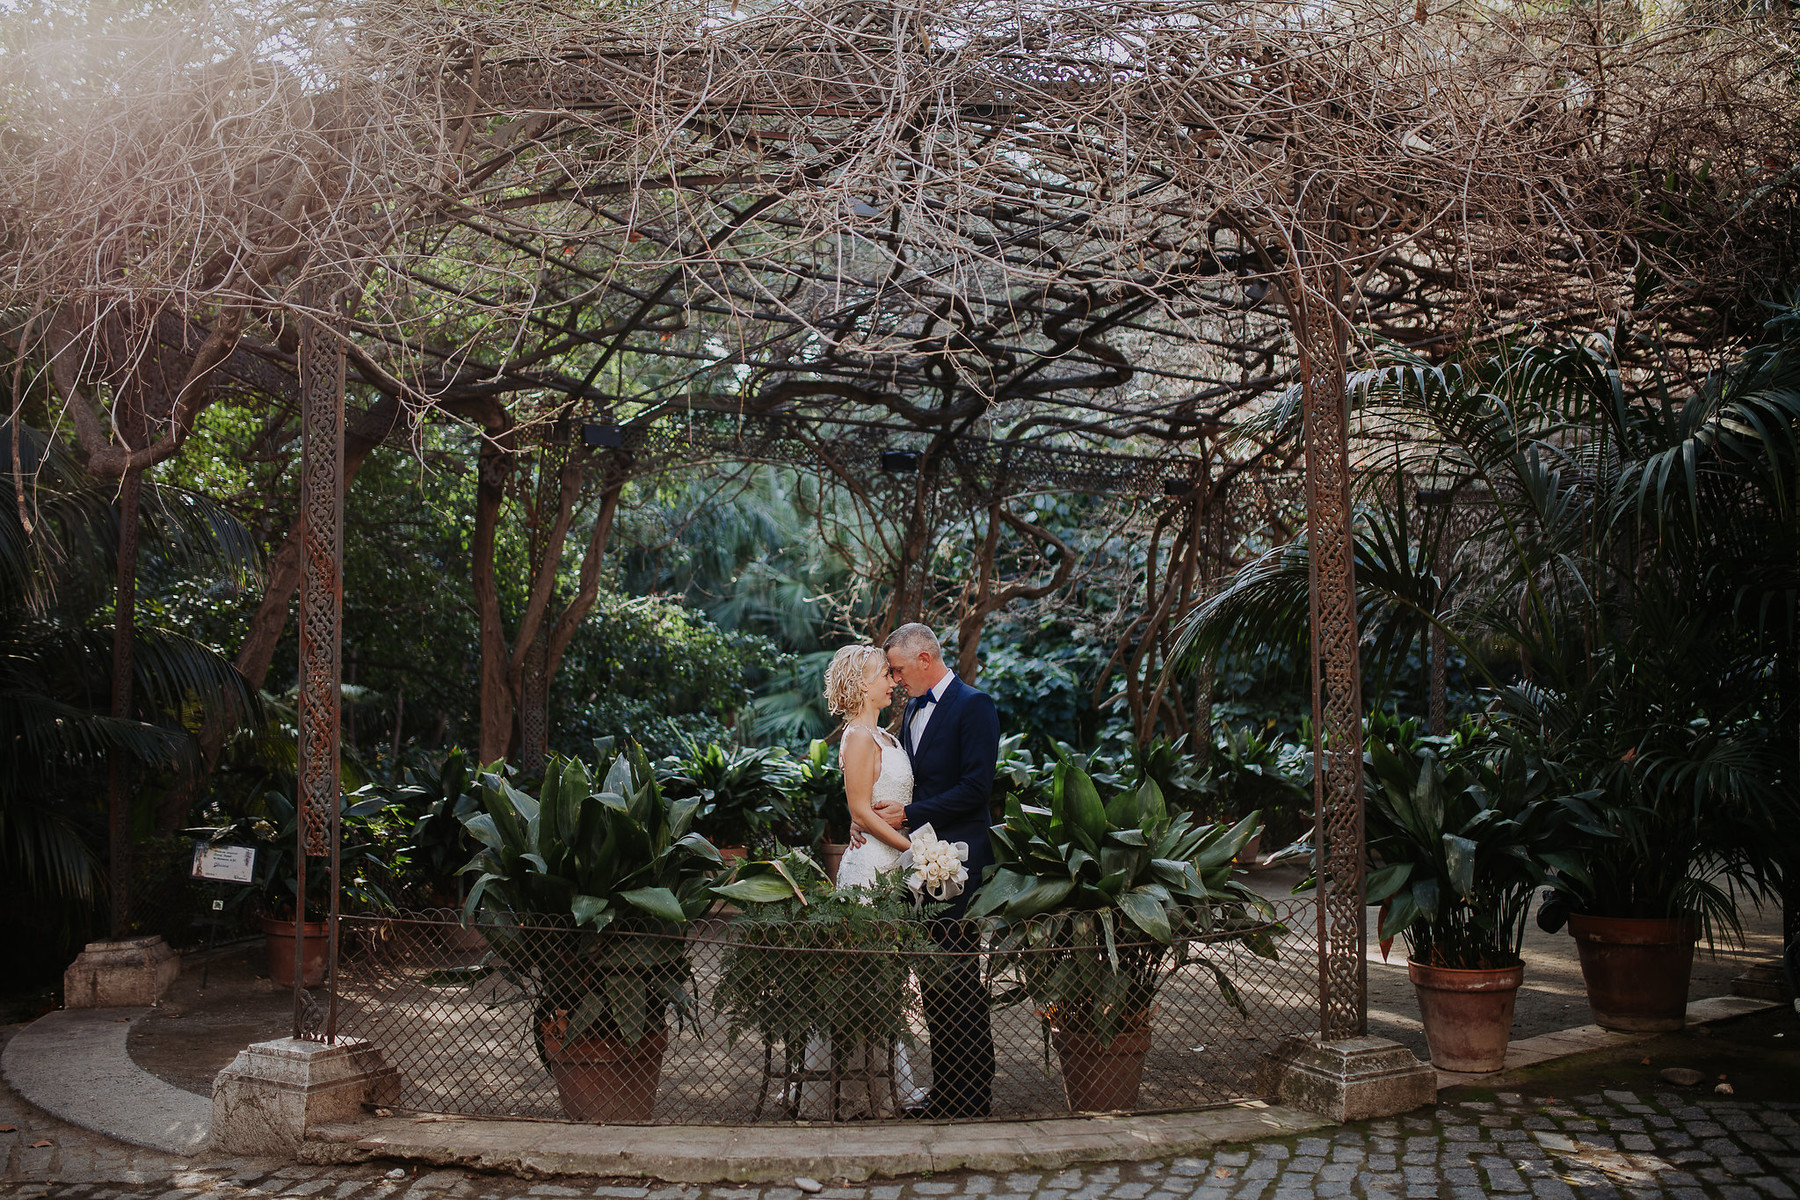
[852,1153]
[75,1064]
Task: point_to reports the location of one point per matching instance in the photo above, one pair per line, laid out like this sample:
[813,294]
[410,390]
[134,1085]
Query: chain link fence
[735,1020]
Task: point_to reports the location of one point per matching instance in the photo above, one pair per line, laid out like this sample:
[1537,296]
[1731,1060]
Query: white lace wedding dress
[858,869]
[861,864]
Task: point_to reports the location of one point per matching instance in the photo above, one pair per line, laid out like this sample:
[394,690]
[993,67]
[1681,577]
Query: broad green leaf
[1399,916]
[758,889]
[1227,847]
[699,846]
[471,904]
[1122,811]
[1386,881]
[657,901]
[1040,897]
[587,908]
[618,777]
[628,996]
[1082,807]
[591,1010]
[1147,913]
[1425,895]
[1459,856]
[481,827]
[1001,887]
[1152,808]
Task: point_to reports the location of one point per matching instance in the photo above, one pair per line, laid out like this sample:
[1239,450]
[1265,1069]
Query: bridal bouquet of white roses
[934,867]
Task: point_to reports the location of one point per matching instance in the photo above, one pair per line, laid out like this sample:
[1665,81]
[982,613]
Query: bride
[858,685]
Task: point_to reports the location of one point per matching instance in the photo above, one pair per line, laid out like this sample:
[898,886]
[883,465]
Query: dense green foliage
[807,965]
[1629,601]
[1095,901]
[58,556]
[1457,846]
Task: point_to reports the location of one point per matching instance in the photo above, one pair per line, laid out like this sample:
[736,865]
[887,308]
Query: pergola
[994,233]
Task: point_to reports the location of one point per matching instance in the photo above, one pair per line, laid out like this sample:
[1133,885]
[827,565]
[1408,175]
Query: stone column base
[1764,981]
[1352,1079]
[273,1092]
[130,974]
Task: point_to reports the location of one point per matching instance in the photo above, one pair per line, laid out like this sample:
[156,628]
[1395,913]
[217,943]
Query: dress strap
[882,737]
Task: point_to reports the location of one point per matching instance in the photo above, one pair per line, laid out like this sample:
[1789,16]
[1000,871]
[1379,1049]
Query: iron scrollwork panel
[1337,689]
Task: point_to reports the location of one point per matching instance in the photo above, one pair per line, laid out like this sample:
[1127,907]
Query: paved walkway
[1550,1133]
[1604,1146]
[74,1064]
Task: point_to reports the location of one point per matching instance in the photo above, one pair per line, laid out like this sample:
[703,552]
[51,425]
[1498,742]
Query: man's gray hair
[914,638]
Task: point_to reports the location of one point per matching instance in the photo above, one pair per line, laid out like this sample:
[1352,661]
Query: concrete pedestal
[1352,1079]
[1764,981]
[273,1092]
[130,974]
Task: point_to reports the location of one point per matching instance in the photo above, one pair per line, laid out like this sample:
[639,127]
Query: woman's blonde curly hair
[844,678]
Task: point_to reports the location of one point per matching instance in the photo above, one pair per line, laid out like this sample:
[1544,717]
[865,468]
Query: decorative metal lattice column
[1336,671]
[118,784]
[321,626]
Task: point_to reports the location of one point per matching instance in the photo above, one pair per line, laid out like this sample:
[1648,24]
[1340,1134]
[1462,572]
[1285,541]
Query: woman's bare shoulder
[857,740]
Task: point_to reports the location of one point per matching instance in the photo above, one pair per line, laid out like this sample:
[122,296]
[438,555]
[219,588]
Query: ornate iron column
[118,783]
[1336,671]
[321,626]
[1341,1071]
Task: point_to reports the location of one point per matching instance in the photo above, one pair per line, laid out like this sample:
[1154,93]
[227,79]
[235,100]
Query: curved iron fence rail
[784,1021]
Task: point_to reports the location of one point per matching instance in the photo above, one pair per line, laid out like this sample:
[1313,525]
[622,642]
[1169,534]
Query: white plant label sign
[226,864]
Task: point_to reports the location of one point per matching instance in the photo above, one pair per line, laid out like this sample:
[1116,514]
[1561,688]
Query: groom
[952,735]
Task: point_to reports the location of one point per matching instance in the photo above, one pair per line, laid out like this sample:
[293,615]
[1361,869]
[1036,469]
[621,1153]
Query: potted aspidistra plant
[1094,903]
[583,893]
[1457,849]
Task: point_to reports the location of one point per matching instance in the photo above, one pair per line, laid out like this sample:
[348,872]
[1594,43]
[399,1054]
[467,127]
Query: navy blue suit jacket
[953,775]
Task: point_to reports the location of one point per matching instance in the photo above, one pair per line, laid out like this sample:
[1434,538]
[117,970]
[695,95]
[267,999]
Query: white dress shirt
[923,716]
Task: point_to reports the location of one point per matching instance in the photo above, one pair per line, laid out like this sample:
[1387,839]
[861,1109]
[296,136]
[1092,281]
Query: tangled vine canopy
[1065,222]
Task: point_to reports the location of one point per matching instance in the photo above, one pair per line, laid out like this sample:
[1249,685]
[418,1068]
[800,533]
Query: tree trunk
[587,588]
[987,600]
[495,464]
[908,603]
[968,630]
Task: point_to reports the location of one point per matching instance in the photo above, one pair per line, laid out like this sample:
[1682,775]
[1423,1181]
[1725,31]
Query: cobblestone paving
[1611,1146]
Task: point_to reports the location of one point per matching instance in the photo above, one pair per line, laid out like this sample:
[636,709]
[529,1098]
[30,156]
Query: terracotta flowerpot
[463,939]
[733,854]
[1102,1078]
[831,855]
[1467,1014]
[1636,969]
[279,938]
[1247,857]
[602,1079]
